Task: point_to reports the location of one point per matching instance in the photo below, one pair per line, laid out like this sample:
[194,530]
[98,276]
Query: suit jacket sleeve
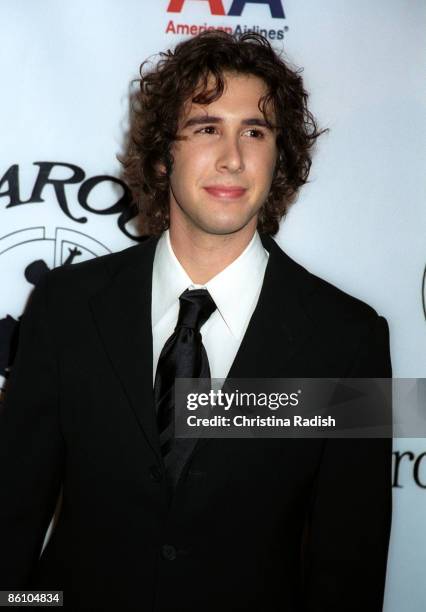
[31,446]
[351,512]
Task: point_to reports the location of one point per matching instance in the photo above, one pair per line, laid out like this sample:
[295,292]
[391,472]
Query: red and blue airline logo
[236,9]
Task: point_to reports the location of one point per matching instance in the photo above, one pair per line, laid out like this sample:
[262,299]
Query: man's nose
[230,155]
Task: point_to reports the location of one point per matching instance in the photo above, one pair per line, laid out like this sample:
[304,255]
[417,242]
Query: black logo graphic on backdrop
[33,252]
[30,252]
[123,207]
[407,468]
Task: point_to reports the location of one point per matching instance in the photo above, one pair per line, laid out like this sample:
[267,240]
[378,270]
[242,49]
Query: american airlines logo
[228,11]
[236,9]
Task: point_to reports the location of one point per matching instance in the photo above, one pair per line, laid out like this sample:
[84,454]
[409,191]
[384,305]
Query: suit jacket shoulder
[90,276]
[349,334]
[322,297]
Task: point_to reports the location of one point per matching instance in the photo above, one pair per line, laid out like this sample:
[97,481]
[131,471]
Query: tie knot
[196,306]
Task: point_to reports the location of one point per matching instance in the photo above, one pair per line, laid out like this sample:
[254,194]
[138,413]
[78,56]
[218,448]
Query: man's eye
[257,133]
[203,130]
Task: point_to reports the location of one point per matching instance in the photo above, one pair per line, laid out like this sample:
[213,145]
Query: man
[220,145]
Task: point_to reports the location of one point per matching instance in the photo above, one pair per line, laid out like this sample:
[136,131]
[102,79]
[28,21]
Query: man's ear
[164,168]
[161,169]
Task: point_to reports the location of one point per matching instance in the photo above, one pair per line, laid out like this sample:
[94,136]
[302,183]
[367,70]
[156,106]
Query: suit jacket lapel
[122,314]
[279,325]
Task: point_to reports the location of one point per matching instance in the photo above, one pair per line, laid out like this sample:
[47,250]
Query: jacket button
[155,473]
[168,552]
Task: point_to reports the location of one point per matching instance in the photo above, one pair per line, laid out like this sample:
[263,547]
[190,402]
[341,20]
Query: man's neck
[204,255]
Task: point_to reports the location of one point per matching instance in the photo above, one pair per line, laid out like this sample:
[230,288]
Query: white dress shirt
[235,292]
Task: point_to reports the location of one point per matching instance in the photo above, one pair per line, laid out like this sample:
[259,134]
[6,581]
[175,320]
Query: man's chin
[227,227]
[224,231]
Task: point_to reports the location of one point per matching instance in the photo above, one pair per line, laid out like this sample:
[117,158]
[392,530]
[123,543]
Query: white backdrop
[360,223]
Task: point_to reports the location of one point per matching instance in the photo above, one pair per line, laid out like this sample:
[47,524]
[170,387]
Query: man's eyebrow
[205,119]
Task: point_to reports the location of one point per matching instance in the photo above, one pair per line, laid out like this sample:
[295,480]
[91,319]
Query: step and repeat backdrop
[66,74]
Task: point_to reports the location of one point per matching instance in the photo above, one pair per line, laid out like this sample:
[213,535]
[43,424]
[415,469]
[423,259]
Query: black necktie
[183,356]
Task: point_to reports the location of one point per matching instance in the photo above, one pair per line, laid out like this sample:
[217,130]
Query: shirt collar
[243,277]
[169,279]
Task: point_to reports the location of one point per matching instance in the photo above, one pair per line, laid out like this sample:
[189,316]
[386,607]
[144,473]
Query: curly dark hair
[182,75]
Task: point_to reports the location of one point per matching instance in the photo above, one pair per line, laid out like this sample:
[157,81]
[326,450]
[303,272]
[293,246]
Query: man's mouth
[219,191]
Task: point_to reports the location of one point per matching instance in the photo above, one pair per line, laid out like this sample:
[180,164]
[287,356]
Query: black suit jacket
[79,415]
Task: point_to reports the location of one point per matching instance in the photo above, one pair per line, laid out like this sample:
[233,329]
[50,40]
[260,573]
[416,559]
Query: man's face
[223,170]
